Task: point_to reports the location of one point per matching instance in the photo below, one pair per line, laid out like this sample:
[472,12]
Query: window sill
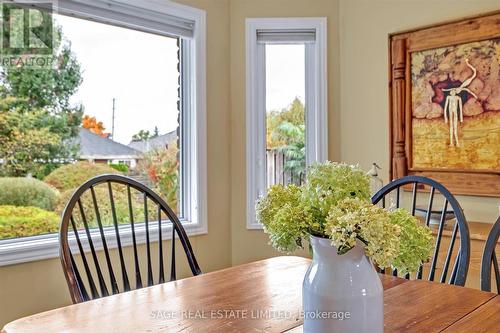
[254,225]
[28,249]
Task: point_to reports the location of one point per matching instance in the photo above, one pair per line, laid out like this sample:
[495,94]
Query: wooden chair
[414,183]
[490,259]
[114,210]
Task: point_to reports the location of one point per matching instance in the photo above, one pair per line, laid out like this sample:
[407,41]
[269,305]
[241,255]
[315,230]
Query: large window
[124,93]
[286,102]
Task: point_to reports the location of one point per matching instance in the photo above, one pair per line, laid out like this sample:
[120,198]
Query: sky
[285,75]
[139,70]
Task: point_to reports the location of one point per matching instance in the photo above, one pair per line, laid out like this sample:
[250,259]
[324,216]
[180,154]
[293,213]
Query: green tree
[294,148]
[294,114]
[32,141]
[142,135]
[38,123]
[286,134]
[49,88]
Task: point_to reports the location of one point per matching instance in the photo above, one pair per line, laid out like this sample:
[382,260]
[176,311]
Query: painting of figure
[455,107]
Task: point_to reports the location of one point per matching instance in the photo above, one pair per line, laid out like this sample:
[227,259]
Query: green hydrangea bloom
[355,219]
[328,183]
[283,217]
[416,242]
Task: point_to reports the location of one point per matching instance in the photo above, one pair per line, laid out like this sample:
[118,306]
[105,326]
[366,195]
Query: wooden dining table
[263,296]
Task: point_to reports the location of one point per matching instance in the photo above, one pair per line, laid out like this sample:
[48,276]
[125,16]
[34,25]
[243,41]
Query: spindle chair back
[490,259]
[459,245]
[113,211]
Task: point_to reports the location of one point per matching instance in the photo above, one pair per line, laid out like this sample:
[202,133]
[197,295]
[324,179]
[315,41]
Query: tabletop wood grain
[486,318]
[263,296]
[423,306]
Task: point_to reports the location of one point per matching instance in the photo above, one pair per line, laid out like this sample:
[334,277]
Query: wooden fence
[276,172]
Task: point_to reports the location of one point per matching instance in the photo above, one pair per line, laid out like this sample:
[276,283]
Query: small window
[286,103]
[285,114]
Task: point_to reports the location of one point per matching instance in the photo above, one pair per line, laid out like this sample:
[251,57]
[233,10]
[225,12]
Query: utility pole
[113,121]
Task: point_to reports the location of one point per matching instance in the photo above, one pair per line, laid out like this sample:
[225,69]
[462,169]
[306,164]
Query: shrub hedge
[120,199]
[20,191]
[120,167]
[70,176]
[26,221]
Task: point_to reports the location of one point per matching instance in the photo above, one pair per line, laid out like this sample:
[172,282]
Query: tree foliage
[293,147]
[37,121]
[161,166]
[286,134]
[144,135]
[49,88]
[294,114]
[96,127]
[32,142]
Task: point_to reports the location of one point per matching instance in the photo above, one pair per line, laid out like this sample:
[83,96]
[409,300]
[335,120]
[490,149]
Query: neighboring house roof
[93,146]
[160,141]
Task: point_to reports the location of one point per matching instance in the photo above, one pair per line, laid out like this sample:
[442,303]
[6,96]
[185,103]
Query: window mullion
[261,120]
[310,103]
[186,139]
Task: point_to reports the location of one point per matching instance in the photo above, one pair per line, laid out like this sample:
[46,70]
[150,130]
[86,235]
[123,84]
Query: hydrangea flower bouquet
[335,203]
[333,209]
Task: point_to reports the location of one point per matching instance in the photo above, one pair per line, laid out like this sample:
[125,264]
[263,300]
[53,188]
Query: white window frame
[193,128]
[315,104]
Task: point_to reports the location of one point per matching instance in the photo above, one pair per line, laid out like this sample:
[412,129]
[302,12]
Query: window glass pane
[285,114]
[109,106]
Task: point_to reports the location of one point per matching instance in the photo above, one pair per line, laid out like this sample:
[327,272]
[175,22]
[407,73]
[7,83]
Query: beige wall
[358,123]
[34,287]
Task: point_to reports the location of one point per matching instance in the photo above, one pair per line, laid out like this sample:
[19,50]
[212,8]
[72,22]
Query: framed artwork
[445,104]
